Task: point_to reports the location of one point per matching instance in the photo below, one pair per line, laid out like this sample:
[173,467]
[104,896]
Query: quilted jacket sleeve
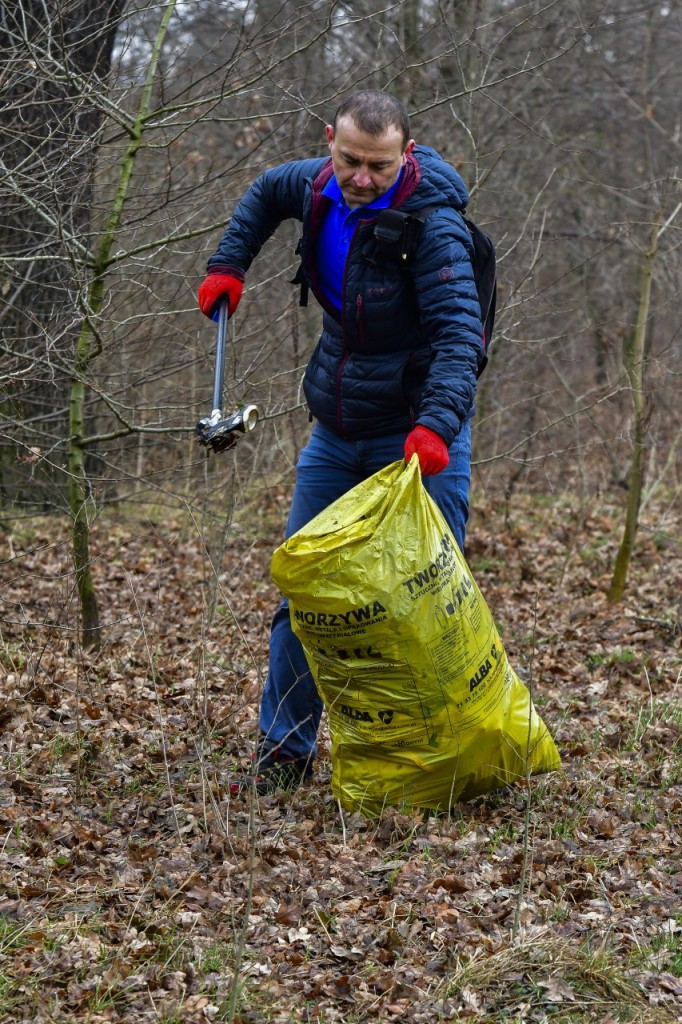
[450,316]
[277,195]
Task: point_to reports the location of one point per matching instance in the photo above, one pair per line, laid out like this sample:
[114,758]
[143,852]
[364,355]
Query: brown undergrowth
[133,888]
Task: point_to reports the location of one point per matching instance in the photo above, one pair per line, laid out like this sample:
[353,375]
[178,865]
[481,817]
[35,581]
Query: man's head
[369,143]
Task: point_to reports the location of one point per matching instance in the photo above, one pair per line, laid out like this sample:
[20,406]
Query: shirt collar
[332,191]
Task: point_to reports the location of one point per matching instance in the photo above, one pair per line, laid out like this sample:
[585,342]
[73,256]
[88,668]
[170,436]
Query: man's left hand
[431,449]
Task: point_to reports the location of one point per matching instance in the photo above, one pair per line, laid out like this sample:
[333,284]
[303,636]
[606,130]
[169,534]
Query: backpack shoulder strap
[397,233]
[397,236]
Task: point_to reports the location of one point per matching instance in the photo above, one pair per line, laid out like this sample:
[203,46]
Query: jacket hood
[428,180]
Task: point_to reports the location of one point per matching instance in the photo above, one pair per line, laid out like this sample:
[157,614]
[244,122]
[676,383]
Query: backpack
[397,235]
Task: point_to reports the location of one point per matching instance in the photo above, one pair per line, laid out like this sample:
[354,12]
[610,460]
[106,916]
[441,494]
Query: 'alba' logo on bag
[480,674]
[386,717]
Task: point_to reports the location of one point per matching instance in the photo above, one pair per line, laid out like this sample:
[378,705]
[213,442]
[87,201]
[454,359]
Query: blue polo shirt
[336,233]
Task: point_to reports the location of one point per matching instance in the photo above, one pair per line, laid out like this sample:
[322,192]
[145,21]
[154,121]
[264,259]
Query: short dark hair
[374,112]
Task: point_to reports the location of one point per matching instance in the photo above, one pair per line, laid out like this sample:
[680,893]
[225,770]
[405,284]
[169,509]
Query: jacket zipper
[359,326]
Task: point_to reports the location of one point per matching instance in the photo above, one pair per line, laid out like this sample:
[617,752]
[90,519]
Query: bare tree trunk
[79,499]
[634,360]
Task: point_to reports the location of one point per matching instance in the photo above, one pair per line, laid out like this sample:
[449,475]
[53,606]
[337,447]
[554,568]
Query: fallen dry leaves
[133,888]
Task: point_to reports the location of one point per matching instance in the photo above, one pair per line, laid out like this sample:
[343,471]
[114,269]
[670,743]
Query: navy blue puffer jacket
[408,346]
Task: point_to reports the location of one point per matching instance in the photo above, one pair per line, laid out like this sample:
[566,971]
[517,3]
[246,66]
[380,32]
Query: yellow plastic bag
[423,706]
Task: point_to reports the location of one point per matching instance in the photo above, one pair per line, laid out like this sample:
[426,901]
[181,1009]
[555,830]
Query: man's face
[365,166]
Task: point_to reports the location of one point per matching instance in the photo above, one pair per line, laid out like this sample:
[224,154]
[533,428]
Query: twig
[666,624]
[79,734]
[343,824]
[527,845]
[240,944]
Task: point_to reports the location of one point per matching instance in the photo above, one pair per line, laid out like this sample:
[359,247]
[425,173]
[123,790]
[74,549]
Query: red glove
[220,283]
[431,449]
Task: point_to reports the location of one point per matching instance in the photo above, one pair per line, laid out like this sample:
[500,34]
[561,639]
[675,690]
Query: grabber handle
[219,373]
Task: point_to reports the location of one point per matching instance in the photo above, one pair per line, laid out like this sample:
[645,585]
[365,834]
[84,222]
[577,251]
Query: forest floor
[133,888]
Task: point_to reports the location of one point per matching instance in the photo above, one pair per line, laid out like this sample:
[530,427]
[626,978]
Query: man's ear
[409,147]
[329,131]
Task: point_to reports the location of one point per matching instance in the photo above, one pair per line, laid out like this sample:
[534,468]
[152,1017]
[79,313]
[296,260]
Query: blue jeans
[328,466]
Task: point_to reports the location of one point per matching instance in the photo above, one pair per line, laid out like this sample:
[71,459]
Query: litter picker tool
[213,431]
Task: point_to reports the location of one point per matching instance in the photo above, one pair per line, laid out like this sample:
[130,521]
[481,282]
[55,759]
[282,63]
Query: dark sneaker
[272,771]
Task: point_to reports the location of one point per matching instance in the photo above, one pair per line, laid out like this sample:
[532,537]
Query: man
[394,371]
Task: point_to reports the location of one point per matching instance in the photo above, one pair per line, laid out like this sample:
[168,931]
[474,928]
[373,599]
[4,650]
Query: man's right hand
[217,285]
[431,450]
